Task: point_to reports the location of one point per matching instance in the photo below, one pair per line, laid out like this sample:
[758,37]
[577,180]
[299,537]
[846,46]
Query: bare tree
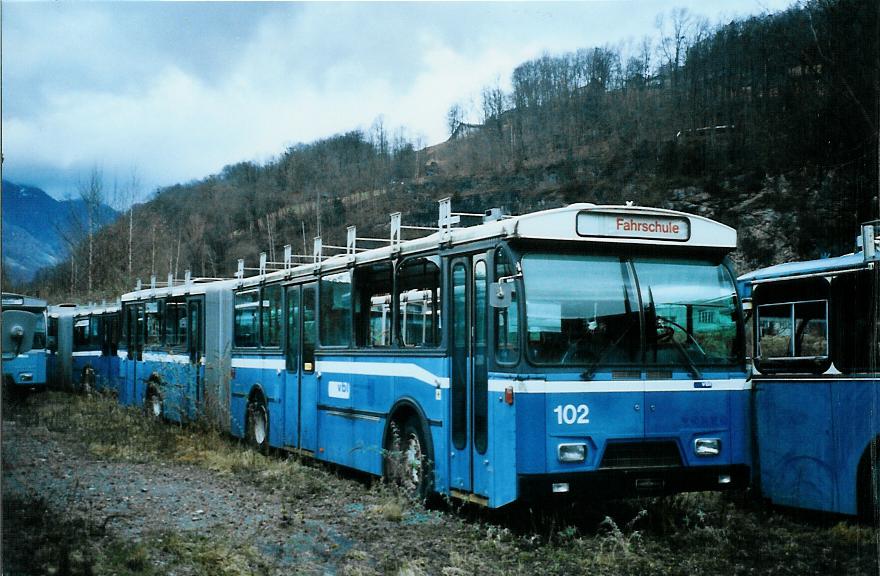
[91,193]
[454,117]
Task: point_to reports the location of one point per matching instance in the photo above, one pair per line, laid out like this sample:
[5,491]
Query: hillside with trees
[767,124]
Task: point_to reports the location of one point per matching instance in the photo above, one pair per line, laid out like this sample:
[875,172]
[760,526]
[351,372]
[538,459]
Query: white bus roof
[577,223]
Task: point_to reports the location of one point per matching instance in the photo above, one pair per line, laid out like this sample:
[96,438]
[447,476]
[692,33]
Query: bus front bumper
[634,482]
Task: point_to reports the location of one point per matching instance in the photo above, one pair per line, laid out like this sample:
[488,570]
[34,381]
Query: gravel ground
[91,488]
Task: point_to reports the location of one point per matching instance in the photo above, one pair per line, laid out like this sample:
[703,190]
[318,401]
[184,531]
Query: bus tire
[868,485]
[87,379]
[257,429]
[153,404]
[407,458]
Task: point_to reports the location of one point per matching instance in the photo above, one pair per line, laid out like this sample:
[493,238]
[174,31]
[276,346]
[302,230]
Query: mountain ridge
[37,228]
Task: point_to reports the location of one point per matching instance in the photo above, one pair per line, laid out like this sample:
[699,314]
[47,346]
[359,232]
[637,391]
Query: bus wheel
[258,426]
[406,458]
[153,405]
[87,380]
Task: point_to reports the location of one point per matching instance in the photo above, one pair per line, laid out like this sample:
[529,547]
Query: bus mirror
[500,294]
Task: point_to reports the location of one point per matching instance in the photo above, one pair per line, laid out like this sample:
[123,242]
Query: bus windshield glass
[581,310]
[690,313]
[584,311]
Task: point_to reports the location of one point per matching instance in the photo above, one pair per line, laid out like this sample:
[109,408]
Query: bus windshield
[690,313]
[584,311]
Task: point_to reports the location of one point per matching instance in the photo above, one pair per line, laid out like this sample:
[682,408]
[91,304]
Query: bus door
[195,343]
[292,364]
[106,369]
[134,332]
[469,467]
[301,379]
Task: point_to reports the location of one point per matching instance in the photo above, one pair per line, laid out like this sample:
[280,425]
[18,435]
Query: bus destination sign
[643,226]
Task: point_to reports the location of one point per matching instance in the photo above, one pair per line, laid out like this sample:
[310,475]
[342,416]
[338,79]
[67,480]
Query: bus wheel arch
[257,420]
[408,450]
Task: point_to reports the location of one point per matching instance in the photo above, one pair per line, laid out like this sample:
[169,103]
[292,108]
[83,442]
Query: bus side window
[81,333]
[246,319]
[175,322]
[856,325]
[309,328]
[793,330]
[418,298]
[270,316]
[372,306]
[154,323]
[335,325]
[40,332]
[52,341]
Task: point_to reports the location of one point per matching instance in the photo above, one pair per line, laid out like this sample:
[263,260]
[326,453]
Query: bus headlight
[707,446]
[25,376]
[571,452]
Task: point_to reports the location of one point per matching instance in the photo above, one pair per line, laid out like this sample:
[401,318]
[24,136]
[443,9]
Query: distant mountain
[34,226]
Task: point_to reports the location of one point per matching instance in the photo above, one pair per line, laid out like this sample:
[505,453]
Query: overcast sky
[175,91]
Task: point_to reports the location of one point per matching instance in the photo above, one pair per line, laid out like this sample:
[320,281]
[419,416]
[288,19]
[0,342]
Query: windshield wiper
[695,372]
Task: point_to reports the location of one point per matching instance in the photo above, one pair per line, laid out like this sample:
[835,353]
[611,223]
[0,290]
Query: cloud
[179,90]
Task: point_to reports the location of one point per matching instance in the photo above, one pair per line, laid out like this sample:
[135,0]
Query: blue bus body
[816,383]
[24,342]
[591,350]
[161,361]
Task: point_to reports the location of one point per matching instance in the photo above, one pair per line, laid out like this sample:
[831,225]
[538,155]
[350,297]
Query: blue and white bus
[592,350]
[162,349]
[95,333]
[815,355]
[24,342]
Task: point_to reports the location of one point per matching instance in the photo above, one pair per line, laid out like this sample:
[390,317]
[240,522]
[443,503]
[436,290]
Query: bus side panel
[502,449]
[349,427]
[244,381]
[532,443]
[271,376]
[856,422]
[796,443]
[177,386]
[218,357]
[354,405]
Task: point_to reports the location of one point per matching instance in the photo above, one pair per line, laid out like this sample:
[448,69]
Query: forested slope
[767,124]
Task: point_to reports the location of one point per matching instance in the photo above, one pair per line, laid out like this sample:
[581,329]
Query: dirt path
[91,488]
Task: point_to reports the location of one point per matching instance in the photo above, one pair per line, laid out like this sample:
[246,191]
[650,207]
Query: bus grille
[641,455]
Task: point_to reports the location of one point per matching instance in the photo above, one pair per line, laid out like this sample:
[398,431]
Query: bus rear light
[707,446]
[571,452]
[508,395]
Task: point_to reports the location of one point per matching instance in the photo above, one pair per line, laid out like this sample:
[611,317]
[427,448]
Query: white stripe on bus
[578,386]
[87,353]
[401,370]
[166,357]
[259,363]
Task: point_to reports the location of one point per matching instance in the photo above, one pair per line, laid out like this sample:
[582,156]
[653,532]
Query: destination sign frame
[636,226]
